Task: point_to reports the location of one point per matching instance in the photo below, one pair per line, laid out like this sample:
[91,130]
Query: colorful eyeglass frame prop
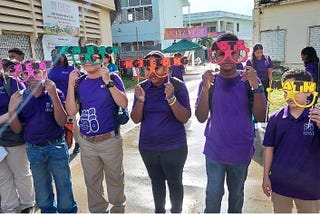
[221,50]
[22,72]
[290,88]
[80,54]
[152,63]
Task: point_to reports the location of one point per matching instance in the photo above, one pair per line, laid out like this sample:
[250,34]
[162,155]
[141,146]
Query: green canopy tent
[182,45]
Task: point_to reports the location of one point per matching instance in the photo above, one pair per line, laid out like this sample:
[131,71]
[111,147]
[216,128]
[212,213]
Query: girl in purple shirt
[162,107]
[311,62]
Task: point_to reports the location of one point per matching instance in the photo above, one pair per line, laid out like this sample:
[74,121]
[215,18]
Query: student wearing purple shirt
[292,154]
[311,61]
[60,75]
[162,111]
[262,64]
[16,184]
[100,142]
[178,70]
[41,116]
[229,132]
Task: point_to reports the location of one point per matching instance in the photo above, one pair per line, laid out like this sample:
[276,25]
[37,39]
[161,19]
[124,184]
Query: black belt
[49,142]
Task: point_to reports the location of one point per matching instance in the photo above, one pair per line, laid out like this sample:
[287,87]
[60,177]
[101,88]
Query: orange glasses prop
[152,63]
[221,50]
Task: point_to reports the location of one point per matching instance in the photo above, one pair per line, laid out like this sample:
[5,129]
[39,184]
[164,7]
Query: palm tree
[205,41]
[117,12]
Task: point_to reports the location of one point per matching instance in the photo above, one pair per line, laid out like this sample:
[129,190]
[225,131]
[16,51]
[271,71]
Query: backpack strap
[76,90]
[7,86]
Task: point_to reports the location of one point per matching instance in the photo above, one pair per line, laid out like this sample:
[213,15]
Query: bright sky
[235,6]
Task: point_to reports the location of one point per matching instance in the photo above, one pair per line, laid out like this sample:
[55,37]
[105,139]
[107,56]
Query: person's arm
[180,112]
[4,118]
[267,161]
[14,121]
[137,110]
[71,106]
[270,74]
[202,109]
[259,100]
[60,114]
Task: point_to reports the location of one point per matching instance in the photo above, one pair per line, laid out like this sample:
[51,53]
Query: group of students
[162,106]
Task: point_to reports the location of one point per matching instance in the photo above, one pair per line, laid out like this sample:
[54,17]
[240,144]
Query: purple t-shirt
[4,97]
[262,66]
[60,75]
[177,71]
[295,170]
[229,131]
[312,68]
[97,106]
[37,116]
[160,130]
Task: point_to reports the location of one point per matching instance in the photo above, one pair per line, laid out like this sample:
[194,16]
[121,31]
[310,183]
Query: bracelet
[172,100]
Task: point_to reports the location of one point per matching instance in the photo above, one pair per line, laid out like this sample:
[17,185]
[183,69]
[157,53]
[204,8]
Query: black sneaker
[28,210]
[76,149]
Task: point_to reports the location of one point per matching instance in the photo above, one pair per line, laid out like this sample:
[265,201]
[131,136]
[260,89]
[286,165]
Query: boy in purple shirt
[100,142]
[229,131]
[162,107]
[292,153]
[41,116]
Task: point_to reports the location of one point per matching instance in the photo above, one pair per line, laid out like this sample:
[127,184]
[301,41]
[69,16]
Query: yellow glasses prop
[280,92]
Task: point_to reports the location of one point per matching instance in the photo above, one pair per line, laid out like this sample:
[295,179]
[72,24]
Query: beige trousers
[283,204]
[16,183]
[103,159]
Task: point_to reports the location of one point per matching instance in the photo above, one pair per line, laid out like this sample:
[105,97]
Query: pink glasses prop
[221,50]
[22,72]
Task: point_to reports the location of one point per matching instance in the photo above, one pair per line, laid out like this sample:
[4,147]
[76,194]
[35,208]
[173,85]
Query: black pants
[166,165]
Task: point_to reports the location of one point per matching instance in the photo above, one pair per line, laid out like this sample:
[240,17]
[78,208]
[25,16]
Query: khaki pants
[16,184]
[103,159]
[283,204]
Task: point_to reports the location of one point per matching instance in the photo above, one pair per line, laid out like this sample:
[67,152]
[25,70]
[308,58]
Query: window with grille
[136,10]
[8,41]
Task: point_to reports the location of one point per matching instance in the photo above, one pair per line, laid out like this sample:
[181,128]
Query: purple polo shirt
[160,130]
[312,68]
[60,75]
[4,97]
[37,116]
[262,66]
[97,106]
[229,131]
[177,71]
[295,170]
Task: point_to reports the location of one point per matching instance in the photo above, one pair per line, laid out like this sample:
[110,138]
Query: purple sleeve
[118,82]
[270,64]
[16,85]
[198,94]
[269,136]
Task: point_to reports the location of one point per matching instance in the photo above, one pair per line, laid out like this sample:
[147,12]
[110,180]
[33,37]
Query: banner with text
[60,17]
[50,41]
[186,33]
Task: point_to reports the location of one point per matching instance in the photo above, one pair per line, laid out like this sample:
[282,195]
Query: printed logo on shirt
[49,107]
[308,128]
[2,90]
[88,121]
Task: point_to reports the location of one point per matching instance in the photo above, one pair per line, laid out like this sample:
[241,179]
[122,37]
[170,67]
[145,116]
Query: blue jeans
[236,176]
[47,162]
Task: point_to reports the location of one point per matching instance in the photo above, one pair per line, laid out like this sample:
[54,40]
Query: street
[137,183]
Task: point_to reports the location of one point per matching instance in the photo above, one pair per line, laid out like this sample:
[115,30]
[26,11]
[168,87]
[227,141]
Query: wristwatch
[110,84]
[260,89]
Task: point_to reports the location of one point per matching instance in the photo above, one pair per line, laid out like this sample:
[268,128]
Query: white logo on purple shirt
[308,128]
[88,121]
[49,107]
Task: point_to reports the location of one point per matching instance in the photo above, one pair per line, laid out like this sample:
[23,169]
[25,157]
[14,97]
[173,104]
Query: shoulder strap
[7,86]
[76,87]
